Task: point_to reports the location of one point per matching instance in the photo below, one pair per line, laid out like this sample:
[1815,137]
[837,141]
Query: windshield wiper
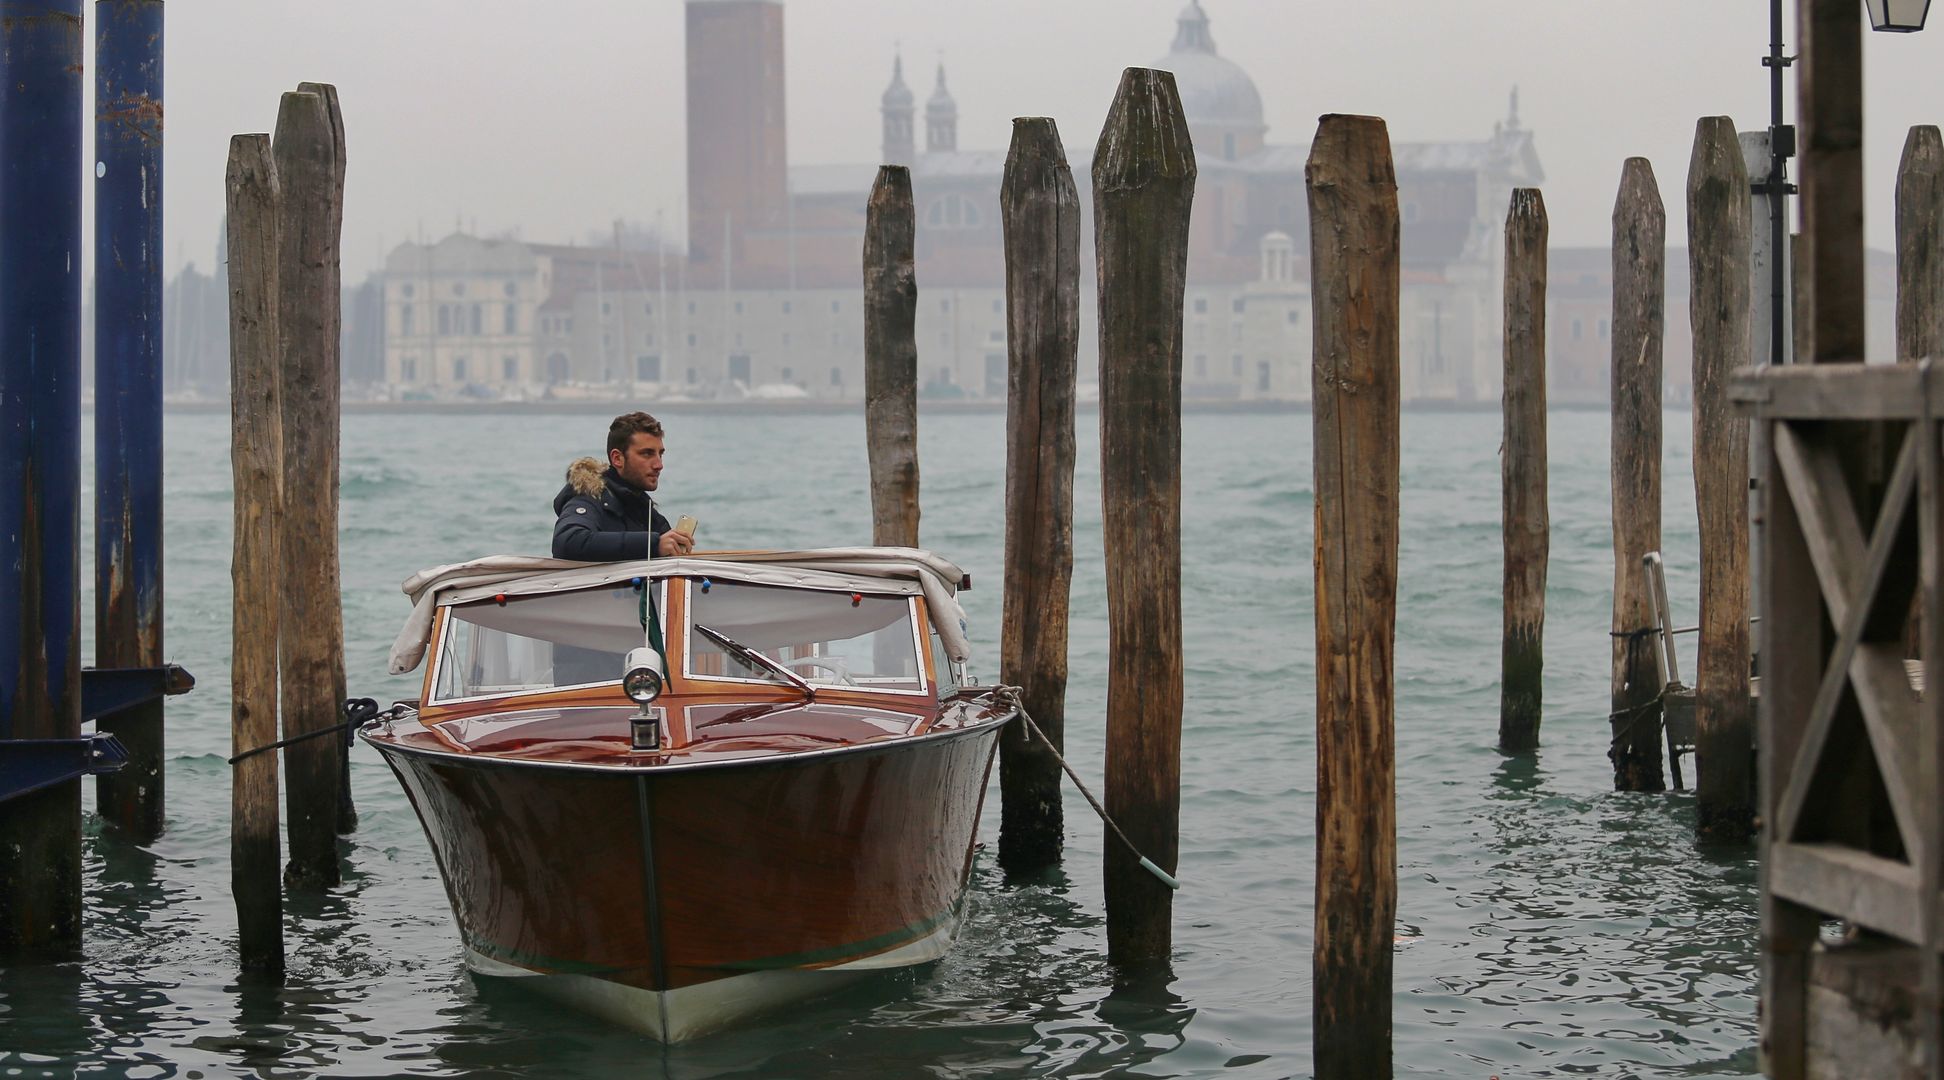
[757,660]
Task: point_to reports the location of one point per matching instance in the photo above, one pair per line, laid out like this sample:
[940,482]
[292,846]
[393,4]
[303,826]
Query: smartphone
[686,526]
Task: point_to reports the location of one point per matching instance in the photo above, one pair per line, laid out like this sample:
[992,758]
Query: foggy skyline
[556,122]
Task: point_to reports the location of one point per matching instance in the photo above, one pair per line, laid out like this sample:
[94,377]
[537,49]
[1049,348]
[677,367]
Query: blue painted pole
[128,392]
[41,52]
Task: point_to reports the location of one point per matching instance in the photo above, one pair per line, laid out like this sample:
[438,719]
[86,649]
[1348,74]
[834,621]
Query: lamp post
[1776,186]
[1897,16]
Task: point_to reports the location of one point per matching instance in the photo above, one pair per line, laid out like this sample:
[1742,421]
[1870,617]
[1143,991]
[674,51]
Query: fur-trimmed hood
[584,476]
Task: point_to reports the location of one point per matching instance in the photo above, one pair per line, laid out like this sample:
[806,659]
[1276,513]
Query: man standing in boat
[607,514]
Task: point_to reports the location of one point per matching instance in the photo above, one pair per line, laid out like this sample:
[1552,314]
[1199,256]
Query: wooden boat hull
[682,900]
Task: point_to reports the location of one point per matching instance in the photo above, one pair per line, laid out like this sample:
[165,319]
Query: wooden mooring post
[1920,246]
[347,810]
[310,178]
[1920,281]
[1143,188]
[256,572]
[1354,377]
[1720,228]
[1639,297]
[1039,209]
[1799,297]
[1829,104]
[1525,520]
[891,357]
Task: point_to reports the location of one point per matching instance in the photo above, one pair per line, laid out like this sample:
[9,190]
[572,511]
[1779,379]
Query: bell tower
[941,118]
[897,106]
[738,178]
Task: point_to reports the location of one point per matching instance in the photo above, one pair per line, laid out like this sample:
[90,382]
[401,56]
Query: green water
[1549,926]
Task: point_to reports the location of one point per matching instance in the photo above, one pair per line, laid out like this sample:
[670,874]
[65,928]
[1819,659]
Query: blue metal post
[128,392]
[41,53]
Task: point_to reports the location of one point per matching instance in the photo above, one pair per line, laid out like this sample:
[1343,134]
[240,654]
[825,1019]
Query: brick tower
[737,168]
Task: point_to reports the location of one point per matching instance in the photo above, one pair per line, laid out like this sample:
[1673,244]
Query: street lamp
[1776,187]
[1897,16]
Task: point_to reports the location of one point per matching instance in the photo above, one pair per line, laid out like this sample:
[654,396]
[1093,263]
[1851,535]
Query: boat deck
[694,731]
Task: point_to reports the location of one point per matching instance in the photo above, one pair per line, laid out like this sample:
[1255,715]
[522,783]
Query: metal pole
[41,53]
[128,391]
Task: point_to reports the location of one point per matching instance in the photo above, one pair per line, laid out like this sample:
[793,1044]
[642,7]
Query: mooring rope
[1011,695]
[360,710]
[1634,714]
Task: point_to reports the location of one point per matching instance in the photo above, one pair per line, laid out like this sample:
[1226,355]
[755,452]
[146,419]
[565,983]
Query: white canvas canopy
[895,570]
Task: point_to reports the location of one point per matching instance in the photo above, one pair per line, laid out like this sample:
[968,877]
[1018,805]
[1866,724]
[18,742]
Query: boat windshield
[542,642]
[835,639]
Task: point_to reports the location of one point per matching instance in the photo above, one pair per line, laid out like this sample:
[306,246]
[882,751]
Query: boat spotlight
[645,678]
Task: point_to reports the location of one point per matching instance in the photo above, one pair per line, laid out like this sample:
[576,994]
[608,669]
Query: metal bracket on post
[110,690]
[31,764]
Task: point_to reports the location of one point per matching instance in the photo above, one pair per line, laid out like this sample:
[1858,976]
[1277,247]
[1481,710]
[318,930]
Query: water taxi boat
[681,792]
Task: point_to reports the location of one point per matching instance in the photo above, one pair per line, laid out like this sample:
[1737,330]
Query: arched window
[557,368]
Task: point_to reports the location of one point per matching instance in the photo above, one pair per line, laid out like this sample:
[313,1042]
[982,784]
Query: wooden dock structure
[1851,756]
[1851,753]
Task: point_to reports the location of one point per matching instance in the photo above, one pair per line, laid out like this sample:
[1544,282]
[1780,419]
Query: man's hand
[674,543]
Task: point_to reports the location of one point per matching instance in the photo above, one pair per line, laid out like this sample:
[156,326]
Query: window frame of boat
[919,622]
[444,629]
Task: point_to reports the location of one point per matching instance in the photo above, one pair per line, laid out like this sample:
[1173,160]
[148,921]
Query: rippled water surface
[1548,926]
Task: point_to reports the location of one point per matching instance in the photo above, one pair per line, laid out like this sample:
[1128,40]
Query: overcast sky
[558,117]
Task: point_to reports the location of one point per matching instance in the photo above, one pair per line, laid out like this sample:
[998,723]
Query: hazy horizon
[496,115]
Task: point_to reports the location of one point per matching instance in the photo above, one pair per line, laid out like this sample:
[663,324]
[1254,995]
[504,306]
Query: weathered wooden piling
[1039,210]
[1143,188]
[128,394]
[40,462]
[1354,381]
[310,181]
[1831,122]
[1799,297]
[1920,246]
[891,357]
[1920,281]
[1639,321]
[255,222]
[1720,227]
[1526,521]
[347,810]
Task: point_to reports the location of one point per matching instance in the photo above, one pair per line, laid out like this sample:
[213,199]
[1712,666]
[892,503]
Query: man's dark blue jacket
[603,518]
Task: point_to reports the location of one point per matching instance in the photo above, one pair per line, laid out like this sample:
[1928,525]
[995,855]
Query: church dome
[1215,93]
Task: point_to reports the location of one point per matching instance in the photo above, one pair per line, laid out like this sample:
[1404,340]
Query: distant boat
[777,391]
[789,803]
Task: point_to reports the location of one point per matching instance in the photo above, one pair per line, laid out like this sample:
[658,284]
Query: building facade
[766,299]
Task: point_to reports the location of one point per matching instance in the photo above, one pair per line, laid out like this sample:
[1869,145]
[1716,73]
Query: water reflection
[1517,776]
[47,1028]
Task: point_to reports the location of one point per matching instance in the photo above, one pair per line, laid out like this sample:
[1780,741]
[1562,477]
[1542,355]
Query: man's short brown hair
[627,426]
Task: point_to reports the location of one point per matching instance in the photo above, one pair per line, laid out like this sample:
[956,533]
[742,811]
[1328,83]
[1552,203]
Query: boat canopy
[896,570]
